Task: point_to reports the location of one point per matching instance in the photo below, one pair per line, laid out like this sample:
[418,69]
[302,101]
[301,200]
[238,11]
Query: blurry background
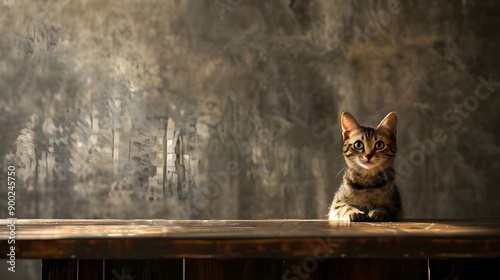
[229,109]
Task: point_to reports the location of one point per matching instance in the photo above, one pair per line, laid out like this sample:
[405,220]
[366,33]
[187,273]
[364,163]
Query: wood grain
[278,239]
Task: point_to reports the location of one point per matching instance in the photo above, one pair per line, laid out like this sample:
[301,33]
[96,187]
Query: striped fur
[368,191]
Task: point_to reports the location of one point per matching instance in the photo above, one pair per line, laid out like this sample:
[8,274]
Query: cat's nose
[369,156]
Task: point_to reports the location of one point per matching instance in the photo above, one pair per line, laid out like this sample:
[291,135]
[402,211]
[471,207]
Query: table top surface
[133,239]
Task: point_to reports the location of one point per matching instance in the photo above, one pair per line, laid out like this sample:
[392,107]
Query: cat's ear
[390,122]
[348,124]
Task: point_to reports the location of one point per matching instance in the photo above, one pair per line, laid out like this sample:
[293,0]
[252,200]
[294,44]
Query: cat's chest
[370,196]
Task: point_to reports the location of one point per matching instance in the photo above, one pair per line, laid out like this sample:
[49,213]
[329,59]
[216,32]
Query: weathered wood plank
[112,269]
[264,269]
[377,269]
[144,269]
[89,269]
[279,239]
[464,268]
[59,269]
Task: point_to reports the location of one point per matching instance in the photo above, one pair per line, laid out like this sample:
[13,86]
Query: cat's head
[369,148]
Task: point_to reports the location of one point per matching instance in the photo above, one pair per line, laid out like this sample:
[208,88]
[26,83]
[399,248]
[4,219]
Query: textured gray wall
[264,83]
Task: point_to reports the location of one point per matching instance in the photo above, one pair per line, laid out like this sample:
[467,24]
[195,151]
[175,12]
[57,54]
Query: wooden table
[262,249]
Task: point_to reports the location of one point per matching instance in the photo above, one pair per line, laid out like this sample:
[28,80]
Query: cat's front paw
[357,216]
[379,216]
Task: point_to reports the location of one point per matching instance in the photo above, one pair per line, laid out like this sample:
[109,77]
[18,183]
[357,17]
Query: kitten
[368,191]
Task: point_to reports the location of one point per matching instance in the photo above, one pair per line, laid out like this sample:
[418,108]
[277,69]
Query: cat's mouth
[366,164]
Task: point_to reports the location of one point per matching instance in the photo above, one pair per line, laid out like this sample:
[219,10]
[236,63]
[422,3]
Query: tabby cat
[368,191]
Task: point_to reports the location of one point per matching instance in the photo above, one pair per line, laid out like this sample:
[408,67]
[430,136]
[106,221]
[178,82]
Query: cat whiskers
[343,168]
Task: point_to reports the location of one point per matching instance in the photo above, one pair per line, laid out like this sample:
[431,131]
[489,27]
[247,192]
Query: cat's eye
[358,145]
[379,145]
